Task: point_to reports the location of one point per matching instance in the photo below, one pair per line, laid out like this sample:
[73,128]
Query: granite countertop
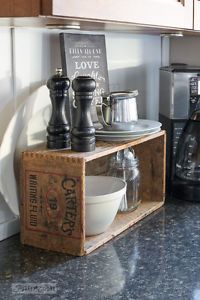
[158,259]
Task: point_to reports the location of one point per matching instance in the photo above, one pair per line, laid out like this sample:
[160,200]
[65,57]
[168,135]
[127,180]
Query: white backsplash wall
[28,57]
[133,63]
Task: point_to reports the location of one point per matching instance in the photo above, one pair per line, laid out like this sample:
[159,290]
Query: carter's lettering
[69,220]
[68,183]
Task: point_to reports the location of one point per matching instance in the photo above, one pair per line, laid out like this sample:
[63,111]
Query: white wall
[133,63]
[28,57]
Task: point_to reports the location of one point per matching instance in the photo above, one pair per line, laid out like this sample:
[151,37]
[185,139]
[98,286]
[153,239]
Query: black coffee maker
[187,163]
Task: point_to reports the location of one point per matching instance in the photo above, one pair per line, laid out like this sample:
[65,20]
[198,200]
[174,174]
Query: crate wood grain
[53,193]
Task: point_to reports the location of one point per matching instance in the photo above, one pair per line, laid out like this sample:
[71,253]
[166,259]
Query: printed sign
[85,54]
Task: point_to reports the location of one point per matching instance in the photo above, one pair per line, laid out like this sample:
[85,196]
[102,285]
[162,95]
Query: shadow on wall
[55,53]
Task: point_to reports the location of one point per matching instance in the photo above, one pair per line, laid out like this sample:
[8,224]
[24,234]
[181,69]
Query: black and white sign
[85,54]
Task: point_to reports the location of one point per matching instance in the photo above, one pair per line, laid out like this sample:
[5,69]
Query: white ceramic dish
[142,126]
[102,199]
[121,138]
[8,186]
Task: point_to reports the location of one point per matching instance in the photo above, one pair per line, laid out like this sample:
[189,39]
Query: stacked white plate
[142,127]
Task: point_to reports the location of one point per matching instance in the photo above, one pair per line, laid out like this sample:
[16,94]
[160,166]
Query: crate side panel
[151,156]
[52,206]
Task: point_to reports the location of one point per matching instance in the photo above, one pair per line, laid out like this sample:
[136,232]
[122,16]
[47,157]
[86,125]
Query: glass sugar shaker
[126,165]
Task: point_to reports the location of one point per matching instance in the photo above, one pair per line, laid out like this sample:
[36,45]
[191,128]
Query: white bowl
[103,195]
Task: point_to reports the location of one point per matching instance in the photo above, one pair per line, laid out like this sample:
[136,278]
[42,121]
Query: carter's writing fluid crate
[53,193]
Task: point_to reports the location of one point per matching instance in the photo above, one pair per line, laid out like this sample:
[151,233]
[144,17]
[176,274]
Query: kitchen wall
[29,56]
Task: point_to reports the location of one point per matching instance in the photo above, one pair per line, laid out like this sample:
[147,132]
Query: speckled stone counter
[159,259]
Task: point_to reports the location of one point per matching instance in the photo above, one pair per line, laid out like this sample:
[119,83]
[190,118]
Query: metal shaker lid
[119,95]
[126,159]
[195,115]
[122,95]
[59,71]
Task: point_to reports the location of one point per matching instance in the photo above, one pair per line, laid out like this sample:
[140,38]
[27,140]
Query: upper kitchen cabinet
[20,8]
[105,14]
[167,13]
[196,14]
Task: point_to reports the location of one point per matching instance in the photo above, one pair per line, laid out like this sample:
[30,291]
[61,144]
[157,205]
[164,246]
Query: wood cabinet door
[167,13]
[196,14]
[20,8]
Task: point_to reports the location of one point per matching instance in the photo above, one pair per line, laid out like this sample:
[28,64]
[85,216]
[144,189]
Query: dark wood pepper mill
[83,132]
[58,129]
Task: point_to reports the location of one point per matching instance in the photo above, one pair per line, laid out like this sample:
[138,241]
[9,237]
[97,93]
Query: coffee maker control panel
[194,93]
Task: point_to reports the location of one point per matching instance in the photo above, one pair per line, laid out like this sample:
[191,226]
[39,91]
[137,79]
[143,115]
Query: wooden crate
[53,195]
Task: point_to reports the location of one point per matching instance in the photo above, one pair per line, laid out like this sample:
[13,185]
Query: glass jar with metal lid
[125,164]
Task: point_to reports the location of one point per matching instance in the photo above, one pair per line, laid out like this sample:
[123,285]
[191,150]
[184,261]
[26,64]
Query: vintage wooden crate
[53,195]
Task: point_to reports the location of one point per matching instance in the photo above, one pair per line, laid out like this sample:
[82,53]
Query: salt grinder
[58,133]
[83,132]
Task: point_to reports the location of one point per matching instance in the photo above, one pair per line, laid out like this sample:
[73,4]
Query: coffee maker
[186,183]
[179,96]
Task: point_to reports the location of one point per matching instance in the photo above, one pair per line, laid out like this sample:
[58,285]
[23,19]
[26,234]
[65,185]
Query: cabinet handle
[182,2]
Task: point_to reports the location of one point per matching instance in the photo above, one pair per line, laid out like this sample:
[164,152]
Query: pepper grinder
[83,132]
[58,136]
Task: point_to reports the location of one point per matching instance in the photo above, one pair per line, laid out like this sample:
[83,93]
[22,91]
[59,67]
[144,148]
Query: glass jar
[126,165]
